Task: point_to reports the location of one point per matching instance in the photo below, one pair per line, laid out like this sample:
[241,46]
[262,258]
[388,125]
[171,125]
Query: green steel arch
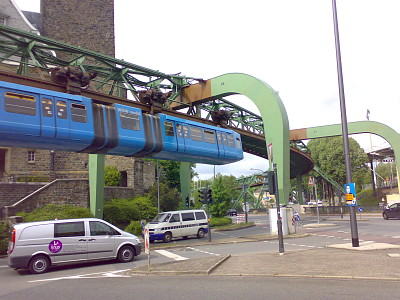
[382,130]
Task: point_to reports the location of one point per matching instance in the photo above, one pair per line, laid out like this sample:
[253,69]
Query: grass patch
[234,226]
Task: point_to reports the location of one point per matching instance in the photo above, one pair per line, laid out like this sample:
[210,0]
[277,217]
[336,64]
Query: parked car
[232,212]
[38,245]
[391,211]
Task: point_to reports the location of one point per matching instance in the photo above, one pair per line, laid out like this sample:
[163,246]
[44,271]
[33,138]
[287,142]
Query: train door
[169,136]
[221,147]
[48,128]
[62,119]
[182,132]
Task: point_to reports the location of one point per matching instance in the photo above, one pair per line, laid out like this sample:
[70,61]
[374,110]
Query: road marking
[171,255]
[202,251]
[90,275]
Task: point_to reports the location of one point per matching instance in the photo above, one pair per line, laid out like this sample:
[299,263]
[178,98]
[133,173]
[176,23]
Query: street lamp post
[345,132]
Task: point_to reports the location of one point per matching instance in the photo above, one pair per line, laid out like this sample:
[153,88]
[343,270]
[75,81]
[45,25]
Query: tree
[385,171]
[224,189]
[328,155]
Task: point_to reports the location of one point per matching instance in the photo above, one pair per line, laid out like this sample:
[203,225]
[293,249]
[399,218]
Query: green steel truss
[34,55]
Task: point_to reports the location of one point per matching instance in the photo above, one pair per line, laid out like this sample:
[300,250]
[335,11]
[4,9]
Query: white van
[180,223]
[37,245]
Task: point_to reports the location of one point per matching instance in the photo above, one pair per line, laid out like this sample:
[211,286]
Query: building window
[31,156]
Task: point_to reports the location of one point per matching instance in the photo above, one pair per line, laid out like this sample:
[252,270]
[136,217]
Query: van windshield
[161,217]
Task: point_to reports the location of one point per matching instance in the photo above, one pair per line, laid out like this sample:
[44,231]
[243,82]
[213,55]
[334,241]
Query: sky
[289,44]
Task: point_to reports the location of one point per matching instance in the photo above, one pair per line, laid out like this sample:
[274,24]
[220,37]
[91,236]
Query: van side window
[99,228]
[175,218]
[189,216]
[69,229]
[200,215]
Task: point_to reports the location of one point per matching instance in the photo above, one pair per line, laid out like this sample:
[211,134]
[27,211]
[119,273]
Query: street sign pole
[146,234]
[278,210]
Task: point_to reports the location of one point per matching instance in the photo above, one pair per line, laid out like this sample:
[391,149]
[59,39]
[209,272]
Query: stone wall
[88,24]
[59,191]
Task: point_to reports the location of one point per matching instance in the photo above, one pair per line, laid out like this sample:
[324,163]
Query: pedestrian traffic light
[271,182]
[209,196]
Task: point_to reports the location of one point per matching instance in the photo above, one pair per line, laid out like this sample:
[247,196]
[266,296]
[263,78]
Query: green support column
[299,181]
[273,113]
[185,171]
[96,184]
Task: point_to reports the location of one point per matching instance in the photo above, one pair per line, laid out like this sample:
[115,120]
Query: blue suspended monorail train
[42,119]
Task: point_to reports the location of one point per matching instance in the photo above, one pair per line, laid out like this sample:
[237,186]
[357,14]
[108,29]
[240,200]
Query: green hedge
[214,222]
[4,233]
[56,211]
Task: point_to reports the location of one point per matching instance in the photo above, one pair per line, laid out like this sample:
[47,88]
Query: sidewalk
[369,261]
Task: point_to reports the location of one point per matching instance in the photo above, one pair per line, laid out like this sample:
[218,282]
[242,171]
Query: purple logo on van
[55,246]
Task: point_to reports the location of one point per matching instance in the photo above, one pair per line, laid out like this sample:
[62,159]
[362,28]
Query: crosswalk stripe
[171,255]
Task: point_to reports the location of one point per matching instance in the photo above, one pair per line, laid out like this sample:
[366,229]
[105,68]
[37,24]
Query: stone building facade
[89,24]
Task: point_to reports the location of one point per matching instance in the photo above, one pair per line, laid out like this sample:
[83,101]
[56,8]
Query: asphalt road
[100,280]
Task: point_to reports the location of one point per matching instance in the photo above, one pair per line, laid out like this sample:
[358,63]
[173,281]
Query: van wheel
[200,233]
[39,264]
[167,237]
[126,254]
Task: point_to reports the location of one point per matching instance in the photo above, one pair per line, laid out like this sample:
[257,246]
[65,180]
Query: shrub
[56,211]
[121,212]
[146,208]
[135,228]
[112,177]
[220,221]
[4,230]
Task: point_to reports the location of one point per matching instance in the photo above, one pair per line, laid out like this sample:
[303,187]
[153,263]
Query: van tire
[200,233]
[39,264]
[167,237]
[126,254]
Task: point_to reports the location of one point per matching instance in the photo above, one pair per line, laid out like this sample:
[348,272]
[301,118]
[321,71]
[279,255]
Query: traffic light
[271,182]
[203,195]
[187,204]
[209,196]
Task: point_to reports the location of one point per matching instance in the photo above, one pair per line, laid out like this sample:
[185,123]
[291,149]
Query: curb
[153,269]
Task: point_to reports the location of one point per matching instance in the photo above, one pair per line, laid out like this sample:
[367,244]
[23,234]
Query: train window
[186,132]
[169,128]
[61,109]
[219,138]
[130,121]
[231,141]
[209,136]
[78,113]
[224,139]
[238,143]
[196,133]
[20,103]
[47,107]
[179,130]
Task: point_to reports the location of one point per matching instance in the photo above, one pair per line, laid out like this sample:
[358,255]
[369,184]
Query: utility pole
[345,132]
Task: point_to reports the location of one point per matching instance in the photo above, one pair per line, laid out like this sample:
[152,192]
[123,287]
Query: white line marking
[202,251]
[171,255]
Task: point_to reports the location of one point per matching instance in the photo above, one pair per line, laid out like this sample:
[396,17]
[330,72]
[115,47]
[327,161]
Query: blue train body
[37,118]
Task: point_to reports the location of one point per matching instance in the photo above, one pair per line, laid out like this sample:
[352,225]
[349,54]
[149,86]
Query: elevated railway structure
[29,59]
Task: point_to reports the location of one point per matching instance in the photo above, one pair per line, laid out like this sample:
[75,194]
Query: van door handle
[91,240]
[82,240]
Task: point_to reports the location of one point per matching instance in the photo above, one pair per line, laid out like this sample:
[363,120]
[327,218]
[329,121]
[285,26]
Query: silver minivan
[38,245]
